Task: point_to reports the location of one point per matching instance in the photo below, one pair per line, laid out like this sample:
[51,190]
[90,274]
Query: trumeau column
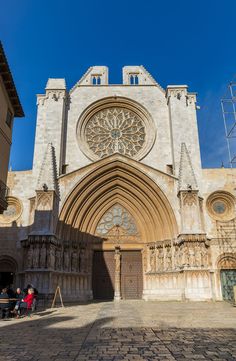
[117,295]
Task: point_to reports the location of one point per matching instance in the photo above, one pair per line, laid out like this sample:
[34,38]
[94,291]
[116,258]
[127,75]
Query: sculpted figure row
[166,258]
[52,257]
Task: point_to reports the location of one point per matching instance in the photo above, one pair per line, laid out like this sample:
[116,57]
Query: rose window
[115,130]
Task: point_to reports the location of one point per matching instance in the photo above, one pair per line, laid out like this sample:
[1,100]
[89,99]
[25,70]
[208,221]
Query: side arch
[226,264]
[8,264]
[8,270]
[116,180]
[226,261]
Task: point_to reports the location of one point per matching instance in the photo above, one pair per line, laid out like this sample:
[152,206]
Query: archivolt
[116,181]
[226,261]
[7,264]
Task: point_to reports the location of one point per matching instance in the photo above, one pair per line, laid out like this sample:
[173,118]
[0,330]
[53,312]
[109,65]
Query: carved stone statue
[191,257]
[82,260]
[66,260]
[153,260]
[52,257]
[117,261]
[36,257]
[58,259]
[180,256]
[168,259]
[185,256]
[43,253]
[157,259]
[198,257]
[30,257]
[78,260]
[160,259]
[176,256]
[74,261]
[204,255]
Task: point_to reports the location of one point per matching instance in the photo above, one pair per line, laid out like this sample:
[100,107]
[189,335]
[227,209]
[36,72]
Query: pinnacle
[48,174]
[187,179]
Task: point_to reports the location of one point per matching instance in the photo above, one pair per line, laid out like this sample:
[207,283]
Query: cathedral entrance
[7,272]
[131,275]
[103,278]
[105,272]
[116,210]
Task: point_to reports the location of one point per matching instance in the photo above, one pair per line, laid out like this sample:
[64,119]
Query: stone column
[117,295]
[213,292]
[144,260]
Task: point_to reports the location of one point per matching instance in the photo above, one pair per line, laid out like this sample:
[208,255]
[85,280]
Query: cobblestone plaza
[126,330]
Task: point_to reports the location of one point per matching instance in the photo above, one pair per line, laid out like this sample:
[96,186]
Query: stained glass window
[117,216]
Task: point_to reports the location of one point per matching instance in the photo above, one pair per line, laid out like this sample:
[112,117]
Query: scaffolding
[228,105]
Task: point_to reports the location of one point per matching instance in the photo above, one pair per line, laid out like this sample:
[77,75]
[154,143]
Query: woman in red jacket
[29,298]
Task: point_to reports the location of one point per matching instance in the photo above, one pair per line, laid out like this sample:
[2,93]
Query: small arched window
[96,80]
[133,79]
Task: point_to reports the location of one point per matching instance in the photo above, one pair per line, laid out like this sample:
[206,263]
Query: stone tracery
[115,129]
[117,222]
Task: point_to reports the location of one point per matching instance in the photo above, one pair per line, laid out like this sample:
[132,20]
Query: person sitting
[25,290]
[27,301]
[10,292]
[19,295]
[5,304]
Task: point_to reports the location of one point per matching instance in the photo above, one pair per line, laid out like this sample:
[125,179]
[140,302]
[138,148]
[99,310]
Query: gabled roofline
[9,84]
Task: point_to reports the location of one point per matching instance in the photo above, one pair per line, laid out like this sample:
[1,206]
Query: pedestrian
[5,304]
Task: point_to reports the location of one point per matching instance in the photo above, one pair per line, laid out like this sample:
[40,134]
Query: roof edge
[9,84]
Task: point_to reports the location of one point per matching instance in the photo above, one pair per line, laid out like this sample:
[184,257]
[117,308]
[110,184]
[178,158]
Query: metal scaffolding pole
[228,106]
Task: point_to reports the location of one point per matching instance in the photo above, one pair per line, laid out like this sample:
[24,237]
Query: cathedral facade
[117,205]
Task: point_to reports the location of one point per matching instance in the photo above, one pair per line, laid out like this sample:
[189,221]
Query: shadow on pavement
[59,338]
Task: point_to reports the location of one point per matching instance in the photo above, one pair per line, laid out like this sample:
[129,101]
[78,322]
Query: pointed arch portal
[124,209]
[116,180]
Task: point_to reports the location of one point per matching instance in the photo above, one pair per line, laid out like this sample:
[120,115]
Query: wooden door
[131,275]
[103,276]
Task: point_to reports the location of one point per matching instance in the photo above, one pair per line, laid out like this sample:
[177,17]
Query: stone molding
[119,182]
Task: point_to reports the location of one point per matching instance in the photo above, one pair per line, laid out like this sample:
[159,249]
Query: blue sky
[179,42]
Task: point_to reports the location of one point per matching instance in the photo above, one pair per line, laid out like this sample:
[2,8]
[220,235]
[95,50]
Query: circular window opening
[13,211]
[221,205]
[119,126]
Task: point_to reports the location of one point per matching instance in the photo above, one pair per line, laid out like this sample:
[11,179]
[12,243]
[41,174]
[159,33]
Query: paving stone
[101,332]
